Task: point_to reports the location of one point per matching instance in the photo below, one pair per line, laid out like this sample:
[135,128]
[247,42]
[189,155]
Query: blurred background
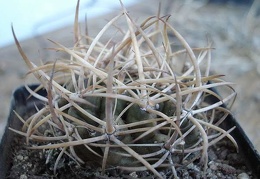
[232,25]
[33,18]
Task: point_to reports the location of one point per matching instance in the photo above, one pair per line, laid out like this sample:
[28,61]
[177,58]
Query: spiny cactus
[133,103]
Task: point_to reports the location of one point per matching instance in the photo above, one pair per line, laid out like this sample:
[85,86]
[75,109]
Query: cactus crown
[133,103]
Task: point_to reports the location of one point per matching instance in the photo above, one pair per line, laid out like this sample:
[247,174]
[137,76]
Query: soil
[234,30]
[224,162]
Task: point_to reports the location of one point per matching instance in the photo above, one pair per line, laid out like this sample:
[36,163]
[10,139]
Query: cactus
[133,104]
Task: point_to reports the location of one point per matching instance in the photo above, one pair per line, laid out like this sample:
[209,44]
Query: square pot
[24,105]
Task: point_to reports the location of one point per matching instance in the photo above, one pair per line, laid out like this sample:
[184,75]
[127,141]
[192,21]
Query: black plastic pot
[24,105]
